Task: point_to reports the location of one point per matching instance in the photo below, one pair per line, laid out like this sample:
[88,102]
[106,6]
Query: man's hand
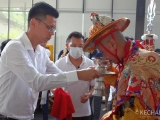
[88,74]
[84,98]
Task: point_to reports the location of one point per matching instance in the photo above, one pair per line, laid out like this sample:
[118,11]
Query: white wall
[72,19]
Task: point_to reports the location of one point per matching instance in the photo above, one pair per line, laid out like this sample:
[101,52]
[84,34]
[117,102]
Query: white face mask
[76,52]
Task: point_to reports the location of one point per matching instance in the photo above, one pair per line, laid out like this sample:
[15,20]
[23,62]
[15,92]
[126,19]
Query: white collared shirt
[22,76]
[78,89]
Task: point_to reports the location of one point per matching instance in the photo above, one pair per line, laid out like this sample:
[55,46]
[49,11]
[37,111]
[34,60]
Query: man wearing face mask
[75,60]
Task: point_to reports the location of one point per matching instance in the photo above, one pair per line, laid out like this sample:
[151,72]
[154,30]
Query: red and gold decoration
[149,41]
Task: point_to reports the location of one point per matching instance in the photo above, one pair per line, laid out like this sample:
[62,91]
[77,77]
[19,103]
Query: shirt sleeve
[17,61]
[52,68]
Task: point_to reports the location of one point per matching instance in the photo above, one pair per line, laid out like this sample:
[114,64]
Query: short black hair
[40,10]
[85,39]
[74,34]
[4,43]
[157,50]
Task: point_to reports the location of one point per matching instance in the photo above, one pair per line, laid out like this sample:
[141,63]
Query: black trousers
[6,118]
[45,110]
[82,118]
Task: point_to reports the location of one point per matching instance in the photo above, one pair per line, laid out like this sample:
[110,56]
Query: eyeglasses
[50,29]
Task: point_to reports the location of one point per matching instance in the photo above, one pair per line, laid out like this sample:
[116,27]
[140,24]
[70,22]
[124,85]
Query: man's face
[110,45]
[45,29]
[75,42]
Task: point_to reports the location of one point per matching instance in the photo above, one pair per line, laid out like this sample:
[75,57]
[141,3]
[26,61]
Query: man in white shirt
[44,94]
[24,64]
[75,60]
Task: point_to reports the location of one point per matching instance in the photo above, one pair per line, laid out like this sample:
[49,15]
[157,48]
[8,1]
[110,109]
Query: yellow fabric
[107,115]
[131,113]
[138,113]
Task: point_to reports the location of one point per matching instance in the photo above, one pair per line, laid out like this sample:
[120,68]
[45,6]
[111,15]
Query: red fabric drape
[62,107]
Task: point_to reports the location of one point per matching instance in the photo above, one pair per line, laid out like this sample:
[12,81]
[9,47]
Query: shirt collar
[26,42]
[38,49]
[83,59]
[28,45]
